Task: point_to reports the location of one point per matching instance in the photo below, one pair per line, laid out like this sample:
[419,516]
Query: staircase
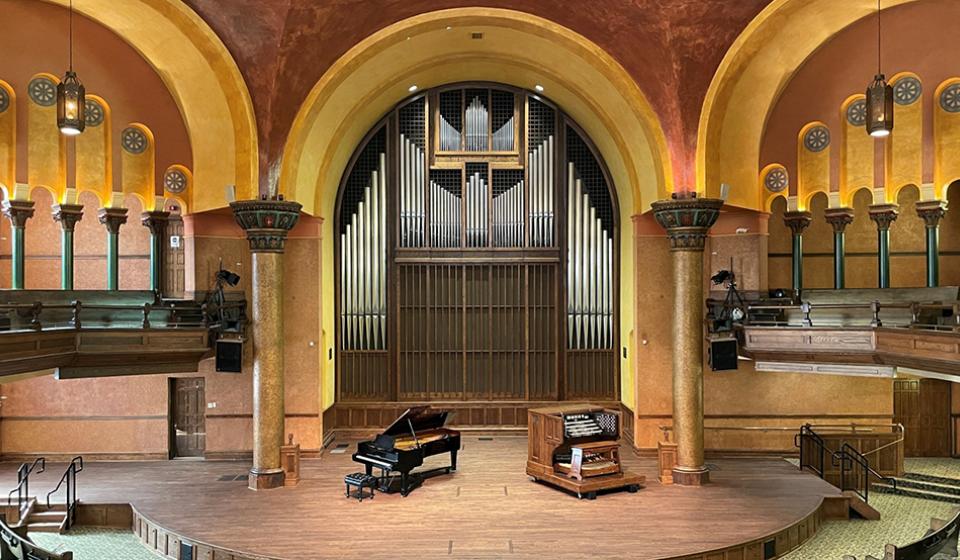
[922,486]
[41,519]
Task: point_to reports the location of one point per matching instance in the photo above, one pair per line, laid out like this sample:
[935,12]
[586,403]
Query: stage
[488,509]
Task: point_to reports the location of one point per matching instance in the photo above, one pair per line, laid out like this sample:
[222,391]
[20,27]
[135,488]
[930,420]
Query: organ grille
[363,252]
[450,123]
[589,252]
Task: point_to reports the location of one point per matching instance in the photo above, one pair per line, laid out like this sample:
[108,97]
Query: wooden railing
[15,544]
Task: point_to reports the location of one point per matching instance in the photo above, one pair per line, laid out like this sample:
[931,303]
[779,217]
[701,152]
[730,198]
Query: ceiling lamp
[71,104]
[879,98]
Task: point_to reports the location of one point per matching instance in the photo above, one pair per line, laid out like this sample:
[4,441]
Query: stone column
[687,220]
[112,219]
[267,223]
[797,221]
[932,211]
[156,222]
[19,211]
[839,218]
[884,215]
[68,215]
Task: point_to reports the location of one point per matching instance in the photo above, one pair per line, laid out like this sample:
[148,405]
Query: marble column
[266,223]
[112,219]
[931,212]
[839,218]
[68,215]
[883,215]
[156,222]
[18,211]
[797,221]
[687,220]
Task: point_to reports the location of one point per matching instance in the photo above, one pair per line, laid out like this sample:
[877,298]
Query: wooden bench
[940,540]
[14,545]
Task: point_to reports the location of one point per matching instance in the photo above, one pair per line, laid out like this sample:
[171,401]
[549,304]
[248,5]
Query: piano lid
[423,418]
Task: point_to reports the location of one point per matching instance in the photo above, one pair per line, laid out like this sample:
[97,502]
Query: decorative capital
[112,218]
[931,211]
[19,211]
[155,221]
[68,215]
[884,215]
[839,218]
[266,222]
[797,221]
[687,220]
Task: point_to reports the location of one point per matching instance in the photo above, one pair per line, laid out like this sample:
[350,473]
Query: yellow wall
[95,157]
[46,147]
[8,140]
[946,142]
[856,155]
[813,168]
[903,164]
[138,169]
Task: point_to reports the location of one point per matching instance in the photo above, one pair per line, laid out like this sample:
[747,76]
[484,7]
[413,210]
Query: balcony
[107,333]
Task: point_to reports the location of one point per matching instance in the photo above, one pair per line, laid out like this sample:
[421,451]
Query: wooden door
[188,429]
[923,407]
[174,269]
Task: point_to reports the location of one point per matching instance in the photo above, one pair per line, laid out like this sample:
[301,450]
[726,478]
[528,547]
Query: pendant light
[71,105]
[879,98]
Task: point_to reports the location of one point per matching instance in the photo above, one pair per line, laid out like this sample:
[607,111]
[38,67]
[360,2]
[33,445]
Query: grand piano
[418,433]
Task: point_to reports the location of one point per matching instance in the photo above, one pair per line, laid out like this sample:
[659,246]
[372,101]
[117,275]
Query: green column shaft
[933,256]
[66,259]
[839,255]
[156,253]
[883,243]
[17,254]
[113,260]
[797,262]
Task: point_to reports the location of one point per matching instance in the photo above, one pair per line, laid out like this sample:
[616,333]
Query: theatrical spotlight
[720,278]
[229,278]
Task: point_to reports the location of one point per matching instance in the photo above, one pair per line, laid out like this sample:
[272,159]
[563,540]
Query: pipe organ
[454,266]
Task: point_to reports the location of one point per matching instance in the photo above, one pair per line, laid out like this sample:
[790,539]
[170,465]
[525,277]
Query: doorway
[923,407]
[187,420]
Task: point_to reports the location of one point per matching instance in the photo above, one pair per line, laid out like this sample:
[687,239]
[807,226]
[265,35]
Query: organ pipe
[508,217]
[363,264]
[589,271]
[412,173]
[540,162]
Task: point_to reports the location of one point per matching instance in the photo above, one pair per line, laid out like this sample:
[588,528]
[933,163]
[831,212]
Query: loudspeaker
[230,355]
[722,354]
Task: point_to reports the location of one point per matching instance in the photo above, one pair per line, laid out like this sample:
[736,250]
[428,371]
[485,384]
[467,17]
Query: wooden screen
[477,252]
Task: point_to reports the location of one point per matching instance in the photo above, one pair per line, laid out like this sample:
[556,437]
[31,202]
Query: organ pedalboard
[576,448]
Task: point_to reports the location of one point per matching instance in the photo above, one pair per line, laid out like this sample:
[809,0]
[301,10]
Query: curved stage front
[488,509]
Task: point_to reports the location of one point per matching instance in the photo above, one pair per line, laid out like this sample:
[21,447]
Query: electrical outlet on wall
[211,405]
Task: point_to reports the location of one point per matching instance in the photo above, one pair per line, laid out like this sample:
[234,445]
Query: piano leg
[369,469]
[403,485]
[453,459]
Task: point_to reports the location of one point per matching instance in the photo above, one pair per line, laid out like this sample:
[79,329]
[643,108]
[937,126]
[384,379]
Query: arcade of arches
[485,209]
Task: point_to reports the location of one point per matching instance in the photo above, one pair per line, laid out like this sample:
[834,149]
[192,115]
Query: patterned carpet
[942,467]
[95,543]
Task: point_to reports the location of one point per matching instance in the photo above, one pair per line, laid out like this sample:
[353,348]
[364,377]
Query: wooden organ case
[575,447]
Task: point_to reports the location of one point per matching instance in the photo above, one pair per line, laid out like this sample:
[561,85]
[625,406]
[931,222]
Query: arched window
[478,243]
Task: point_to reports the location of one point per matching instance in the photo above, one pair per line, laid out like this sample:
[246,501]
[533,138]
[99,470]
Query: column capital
[112,218]
[19,211]
[155,221]
[266,222]
[797,220]
[68,215]
[687,220]
[839,218]
[884,215]
[931,211]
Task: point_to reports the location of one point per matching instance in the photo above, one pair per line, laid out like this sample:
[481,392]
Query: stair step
[934,479]
[918,484]
[884,488]
[45,527]
[46,515]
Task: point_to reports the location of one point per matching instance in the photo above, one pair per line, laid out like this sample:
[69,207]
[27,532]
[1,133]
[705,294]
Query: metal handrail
[23,482]
[903,437]
[850,453]
[70,477]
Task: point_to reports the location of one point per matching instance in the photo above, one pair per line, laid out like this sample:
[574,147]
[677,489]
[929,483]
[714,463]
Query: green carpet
[96,543]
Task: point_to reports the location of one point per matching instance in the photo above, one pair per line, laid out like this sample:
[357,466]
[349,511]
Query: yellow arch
[748,81]
[946,141]
[437,48]
[204,81]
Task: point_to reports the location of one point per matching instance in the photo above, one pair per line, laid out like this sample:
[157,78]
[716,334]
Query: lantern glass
[879,107]
[71,105]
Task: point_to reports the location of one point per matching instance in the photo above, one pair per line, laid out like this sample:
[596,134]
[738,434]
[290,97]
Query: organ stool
[360,481]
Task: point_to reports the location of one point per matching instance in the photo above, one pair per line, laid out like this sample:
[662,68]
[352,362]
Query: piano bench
[360,481]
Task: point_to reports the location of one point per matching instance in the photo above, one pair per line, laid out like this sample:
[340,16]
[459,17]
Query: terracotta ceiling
[671,48]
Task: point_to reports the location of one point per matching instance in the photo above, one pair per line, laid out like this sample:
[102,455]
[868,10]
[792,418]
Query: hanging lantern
[879,107]
[71,106]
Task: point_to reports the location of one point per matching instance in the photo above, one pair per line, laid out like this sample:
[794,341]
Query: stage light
[412,88]
[71,101]
[538,87]
[879,122]
[227,277]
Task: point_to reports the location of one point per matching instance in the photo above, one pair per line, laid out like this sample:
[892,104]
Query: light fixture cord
[71,35]
[879,66]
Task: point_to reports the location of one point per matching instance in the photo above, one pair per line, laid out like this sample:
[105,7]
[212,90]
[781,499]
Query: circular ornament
[175,181]
[4,100]
[857,112]
[950,98]
[907,90]
[133,140]
[776,180]
[93,112]
[817,138]
[42,91]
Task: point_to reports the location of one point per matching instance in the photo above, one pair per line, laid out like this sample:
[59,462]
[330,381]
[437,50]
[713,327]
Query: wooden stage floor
[488,509]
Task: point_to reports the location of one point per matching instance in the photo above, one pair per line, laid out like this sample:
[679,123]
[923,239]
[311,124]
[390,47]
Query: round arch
[476,44]
[748,81]
[204,81]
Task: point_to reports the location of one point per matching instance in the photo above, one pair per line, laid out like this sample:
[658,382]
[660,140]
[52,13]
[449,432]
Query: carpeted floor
[96,543]
[933,466]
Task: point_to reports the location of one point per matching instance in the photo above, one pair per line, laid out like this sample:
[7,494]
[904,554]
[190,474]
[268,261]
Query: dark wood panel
[923,407]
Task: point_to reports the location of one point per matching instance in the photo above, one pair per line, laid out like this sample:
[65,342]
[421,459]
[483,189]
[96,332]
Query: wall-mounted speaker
[722,355]
[230,355]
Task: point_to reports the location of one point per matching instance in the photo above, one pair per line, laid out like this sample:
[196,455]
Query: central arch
[475,44]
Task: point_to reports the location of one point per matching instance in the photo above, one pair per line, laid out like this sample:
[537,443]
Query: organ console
[418,433]
[575,447]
